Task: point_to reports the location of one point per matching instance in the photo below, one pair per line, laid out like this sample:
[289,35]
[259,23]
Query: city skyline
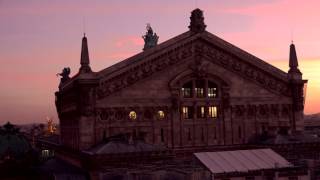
[40,38]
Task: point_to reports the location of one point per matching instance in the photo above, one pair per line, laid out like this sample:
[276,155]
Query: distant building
[16,153]
[192,93]
[194,90]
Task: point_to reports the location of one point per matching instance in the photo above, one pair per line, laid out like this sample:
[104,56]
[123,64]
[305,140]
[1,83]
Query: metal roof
[242,160]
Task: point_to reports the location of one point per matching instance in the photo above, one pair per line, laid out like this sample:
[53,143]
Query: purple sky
[39,38]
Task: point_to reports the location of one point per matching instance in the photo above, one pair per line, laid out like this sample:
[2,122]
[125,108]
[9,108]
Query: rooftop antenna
[292,35]
[84,26]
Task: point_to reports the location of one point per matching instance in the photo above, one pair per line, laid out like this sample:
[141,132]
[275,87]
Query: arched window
[212,90]
[133,115]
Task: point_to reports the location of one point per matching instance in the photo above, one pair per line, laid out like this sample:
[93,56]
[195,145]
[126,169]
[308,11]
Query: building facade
[194,90]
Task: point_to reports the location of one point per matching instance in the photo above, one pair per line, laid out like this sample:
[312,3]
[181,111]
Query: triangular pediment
[189,45]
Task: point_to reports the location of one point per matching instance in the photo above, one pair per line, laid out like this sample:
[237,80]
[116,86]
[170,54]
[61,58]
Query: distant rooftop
[121,144]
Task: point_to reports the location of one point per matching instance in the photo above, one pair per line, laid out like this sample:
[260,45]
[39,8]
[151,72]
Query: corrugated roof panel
[246,163]
[264,157]
[233,161]
[242,160]
[207,161]
[253,158]
[221,162]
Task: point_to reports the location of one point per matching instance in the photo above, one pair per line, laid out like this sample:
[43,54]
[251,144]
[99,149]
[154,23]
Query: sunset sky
[39,38]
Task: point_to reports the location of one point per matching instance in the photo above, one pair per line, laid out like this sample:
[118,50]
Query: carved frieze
[255,74]
[274,109]
[199,51]
[122,113]
[144,70]
[251,110]
[239,110]
[285,110]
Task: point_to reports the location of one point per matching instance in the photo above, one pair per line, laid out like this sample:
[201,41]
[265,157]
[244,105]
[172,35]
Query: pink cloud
[129,41]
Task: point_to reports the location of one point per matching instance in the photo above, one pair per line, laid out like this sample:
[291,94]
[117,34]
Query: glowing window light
[133,115]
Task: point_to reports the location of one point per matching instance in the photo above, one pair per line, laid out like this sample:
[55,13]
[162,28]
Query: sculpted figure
[64,75]
[150,39]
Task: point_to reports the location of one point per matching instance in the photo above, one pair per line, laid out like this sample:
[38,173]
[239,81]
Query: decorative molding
[246,70]
[200,51]
[144,70]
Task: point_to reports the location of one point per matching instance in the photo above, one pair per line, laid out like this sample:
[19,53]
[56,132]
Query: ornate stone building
[192,91]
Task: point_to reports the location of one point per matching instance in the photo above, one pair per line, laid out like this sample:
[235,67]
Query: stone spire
[85,62]
[197,21]
[293,62]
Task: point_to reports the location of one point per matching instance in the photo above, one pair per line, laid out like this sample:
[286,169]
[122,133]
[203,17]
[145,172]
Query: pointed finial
[84,26]
[197,21]
[293,60]
[84,61]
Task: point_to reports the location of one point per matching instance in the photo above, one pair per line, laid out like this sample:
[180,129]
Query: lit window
[212,90]
[160,114]
[186,90]
[199,90]
[133,115]
[212,112]
[201,112]
[187,112]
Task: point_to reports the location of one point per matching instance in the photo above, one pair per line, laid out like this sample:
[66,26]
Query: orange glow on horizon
[310,70]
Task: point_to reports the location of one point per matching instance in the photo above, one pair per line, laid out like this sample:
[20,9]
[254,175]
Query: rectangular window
[212,92]
[212,111]
[201,112]
[199,92]
[187,112]
[186,92]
